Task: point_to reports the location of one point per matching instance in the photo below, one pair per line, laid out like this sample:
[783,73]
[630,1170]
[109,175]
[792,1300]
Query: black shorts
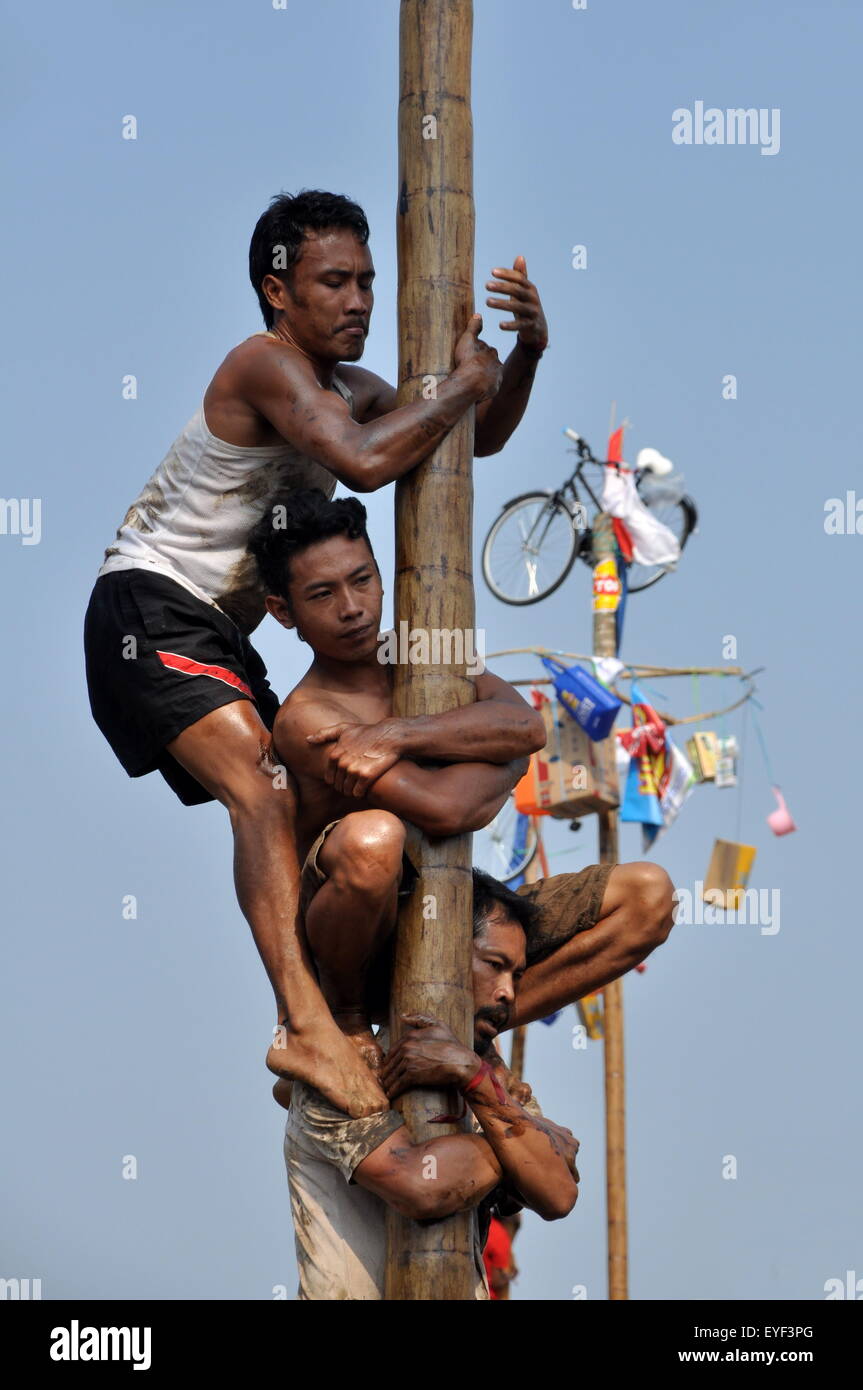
[159,659]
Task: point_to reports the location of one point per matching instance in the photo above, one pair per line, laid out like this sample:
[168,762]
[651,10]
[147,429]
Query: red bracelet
[474,1081]
[476,1078]
[486,1070]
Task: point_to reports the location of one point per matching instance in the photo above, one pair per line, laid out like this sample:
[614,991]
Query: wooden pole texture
[434,579]
[605,644]
[516,1055]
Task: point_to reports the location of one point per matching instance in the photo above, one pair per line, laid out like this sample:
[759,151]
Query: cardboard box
[728,874]
[726,762]
[573,775]
[703,750]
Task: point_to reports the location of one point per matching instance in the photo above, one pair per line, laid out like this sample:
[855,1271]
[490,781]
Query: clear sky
[146,1037]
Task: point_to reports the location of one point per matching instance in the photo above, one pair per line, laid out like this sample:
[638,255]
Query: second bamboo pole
[605,644]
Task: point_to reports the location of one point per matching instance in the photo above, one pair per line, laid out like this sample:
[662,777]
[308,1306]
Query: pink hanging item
[780,820]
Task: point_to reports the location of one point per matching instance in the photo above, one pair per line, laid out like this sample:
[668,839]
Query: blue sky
[146,1037]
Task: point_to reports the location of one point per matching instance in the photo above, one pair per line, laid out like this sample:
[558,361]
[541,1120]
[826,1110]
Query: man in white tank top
[175,685]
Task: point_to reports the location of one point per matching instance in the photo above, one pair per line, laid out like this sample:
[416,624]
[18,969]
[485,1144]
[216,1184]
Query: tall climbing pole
[605,644]
[434,579]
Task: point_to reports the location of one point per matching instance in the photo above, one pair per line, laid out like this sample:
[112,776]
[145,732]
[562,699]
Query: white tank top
[192,520]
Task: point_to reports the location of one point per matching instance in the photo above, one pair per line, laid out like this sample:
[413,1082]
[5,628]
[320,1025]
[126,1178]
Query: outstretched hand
[523,302]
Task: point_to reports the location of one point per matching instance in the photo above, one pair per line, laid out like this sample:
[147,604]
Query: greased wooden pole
[605,644]
[434,579]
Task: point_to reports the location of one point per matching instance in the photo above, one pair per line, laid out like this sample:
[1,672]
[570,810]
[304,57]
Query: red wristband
[476,1078]
[486,1070]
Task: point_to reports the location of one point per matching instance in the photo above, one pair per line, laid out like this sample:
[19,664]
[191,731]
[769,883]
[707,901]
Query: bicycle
[507,844]
[551,528]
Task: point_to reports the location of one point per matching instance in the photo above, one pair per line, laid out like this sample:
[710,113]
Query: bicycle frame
[569,486]
[567,489]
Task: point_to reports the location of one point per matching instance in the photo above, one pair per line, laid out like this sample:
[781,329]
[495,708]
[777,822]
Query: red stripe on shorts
[195,668]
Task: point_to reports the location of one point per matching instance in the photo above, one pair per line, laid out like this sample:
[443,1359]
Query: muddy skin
[357,1029]
[462,1193]
[510,1113]
[309,1061]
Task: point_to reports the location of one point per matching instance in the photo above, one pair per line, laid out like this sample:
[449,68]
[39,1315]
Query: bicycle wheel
[530,548]
[507,844]
[681,518]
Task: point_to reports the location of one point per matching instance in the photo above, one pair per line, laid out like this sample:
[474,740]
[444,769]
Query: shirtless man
[360,777]
[174,682]
[343,1174]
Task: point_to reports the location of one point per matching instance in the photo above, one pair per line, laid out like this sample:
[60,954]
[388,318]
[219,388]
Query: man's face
[498,965]
[328,304]
[335,599]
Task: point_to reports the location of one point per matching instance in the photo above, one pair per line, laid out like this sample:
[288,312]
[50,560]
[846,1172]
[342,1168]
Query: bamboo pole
[516,1055]
[434,581]
[605,644]
[632,672]
[632,668]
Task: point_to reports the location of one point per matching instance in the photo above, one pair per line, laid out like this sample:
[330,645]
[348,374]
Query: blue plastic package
[590,704]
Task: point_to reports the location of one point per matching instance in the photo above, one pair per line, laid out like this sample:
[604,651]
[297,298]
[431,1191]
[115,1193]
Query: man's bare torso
[319,803]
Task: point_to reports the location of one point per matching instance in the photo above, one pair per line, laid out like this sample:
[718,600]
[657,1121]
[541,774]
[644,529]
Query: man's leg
[229,752]
[353,913]
[635,916]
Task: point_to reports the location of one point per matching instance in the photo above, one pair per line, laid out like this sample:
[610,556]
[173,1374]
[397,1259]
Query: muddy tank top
[191,521]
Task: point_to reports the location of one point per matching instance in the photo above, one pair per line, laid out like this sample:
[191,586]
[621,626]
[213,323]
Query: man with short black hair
[344,1173]
[175,684]
[362,773]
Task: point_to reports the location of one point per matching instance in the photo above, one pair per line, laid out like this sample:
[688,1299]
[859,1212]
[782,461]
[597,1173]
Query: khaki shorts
[313,877]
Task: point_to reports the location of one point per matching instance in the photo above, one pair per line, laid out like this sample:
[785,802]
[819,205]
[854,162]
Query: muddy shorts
[313,877]
[568,904]
[158,660]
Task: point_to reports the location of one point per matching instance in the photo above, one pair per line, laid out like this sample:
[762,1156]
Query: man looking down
[343,1173]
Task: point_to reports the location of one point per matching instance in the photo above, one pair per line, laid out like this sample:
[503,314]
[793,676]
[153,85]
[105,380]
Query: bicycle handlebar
[583,449]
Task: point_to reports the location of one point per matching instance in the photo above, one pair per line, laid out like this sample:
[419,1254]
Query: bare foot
[324,1057]
[358,1030]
